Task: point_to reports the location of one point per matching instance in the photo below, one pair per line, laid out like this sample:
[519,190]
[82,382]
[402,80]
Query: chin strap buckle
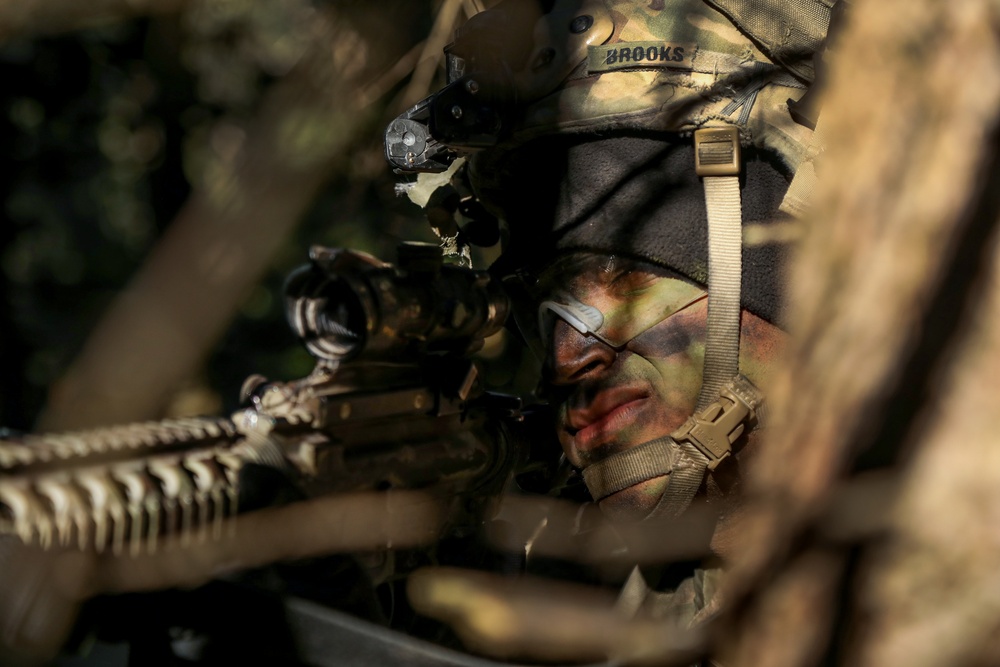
[717,151]
[704,441]
[713,430]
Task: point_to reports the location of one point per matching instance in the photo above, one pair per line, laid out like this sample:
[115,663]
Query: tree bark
[893,319]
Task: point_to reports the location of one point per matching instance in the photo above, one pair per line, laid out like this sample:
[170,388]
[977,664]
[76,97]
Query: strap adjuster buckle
[714,430]
[717,151]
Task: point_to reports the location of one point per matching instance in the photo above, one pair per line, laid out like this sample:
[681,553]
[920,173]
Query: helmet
[530,68]
[530,76]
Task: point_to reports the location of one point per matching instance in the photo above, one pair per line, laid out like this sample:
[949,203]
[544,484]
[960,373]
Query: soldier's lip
[604,418]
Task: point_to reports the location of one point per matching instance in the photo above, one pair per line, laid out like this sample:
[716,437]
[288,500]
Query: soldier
[640,155]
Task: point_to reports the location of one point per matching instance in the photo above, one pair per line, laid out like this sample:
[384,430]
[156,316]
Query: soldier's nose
[573,356]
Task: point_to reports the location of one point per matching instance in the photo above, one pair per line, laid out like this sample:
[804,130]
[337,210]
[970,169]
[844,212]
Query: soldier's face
[642,383]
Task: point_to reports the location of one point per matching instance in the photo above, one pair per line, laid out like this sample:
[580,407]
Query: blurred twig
[544,620]
[388,80]
[344,523]
[580,533]
[433,52]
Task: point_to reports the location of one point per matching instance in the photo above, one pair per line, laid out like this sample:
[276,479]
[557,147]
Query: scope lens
[326,314]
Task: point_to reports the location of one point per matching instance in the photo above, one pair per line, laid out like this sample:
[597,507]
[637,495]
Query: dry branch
[542,620]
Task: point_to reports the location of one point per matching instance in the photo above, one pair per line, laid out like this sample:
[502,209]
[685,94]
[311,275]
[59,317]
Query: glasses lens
[613,299]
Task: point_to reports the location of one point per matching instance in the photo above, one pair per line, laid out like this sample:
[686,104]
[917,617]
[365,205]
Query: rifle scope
[346,305]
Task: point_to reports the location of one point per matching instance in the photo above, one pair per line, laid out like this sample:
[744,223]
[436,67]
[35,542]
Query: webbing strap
[717,161]
[689,473]
[683,462]
[632,466]
[722,340]
[725,257]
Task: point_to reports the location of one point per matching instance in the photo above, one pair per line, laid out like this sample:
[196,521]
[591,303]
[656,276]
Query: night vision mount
[466,115]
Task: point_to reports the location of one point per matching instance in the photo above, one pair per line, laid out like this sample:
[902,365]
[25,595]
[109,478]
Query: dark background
[108,130]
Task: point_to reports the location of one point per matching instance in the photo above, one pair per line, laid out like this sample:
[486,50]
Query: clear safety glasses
[610,298]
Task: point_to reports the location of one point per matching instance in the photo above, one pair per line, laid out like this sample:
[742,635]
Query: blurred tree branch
[433,52]
[894,347]
[44,589]
[264,176]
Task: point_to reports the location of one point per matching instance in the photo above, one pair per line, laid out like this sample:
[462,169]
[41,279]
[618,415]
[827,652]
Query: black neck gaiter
[635,196]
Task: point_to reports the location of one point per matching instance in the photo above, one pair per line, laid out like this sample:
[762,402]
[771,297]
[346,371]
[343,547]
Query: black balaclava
[634,196]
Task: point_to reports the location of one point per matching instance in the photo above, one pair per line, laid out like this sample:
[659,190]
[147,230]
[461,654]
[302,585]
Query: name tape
[625,55]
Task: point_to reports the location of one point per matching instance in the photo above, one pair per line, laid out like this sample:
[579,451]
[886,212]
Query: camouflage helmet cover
[609,73]
[651,65]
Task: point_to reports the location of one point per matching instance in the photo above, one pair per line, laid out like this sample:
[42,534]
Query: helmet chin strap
[728,403]
[698,446]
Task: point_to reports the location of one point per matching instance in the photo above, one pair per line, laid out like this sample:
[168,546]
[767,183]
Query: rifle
[394,402]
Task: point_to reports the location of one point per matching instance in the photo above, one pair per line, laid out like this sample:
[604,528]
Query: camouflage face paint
[610,399]
[610,298]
